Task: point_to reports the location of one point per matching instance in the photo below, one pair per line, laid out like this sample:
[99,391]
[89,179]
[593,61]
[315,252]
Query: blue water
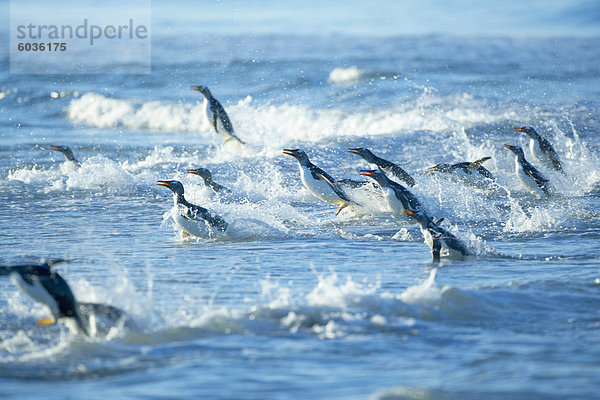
[295,302]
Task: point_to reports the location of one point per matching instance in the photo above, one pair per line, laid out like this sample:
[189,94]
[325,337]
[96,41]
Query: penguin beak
[430,170]
[508,146]
[409,212]
[54,147]
[163,183]
[289,152]
[192,171]
[519,129]
[367,172]
[354,150]
[196,88]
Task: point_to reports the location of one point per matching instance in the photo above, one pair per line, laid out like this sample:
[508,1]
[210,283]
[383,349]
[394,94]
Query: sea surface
[295,302]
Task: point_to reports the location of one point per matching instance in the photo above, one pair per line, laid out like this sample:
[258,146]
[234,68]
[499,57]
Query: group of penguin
[42,283]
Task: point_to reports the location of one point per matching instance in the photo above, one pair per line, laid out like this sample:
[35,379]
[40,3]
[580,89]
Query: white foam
[344,75]
[276,126]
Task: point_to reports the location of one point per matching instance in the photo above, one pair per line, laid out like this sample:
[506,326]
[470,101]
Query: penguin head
[297,154]
[363,152]
[422,219]
[529,131]
[203,89]
[447,168]
[378,176]
[66,150]
[175,186]
[516,149]
[202,172]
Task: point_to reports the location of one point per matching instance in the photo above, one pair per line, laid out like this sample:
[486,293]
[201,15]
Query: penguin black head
[378,176]
[363,152]
[447,168]
[202,172]
[422,219]
[516,149]
[529,131]
[43,284]
[66,150]
[297,154]
[203,89]
[175,186]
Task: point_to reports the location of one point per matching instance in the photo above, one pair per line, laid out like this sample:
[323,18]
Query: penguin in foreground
[192,219]
[471,173]
[217,117]
[43,284]
[67,152]
[529,176]
[319,182]
[541,149]
[398,197]
[441,242]
[208,180]
[386,166]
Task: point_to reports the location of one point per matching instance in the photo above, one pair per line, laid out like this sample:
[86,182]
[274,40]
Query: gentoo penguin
[541,149]
[319,182]
[208,180]
[386,166]
[441,242]
[43,284]
[529,176]
[67,152]
[471,173]
[397,196]
[217,117]
[192,219]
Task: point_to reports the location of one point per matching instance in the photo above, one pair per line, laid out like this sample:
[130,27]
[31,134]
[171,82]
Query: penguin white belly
[536,151]
[194,228]
[319,188]
[529,183]
[36,291]
[396,205]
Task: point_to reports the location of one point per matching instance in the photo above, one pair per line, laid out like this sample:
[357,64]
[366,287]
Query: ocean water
[295,302]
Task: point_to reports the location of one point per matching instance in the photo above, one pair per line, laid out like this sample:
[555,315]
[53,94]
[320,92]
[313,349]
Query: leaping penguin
[319,182]
[43,284]
[441,242]
[386,166]
[471,173]
[529,176]
[217,117]
[541,149]
[208,180]
[192,219]
[398,197]
[67,152]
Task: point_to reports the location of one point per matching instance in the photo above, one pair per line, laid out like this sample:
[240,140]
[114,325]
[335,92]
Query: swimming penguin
[386,166]
[398,197]
[217,117]
[529,176]
[319,182]
[67,152]
[192,219]
[43,284]
[208,180]
[471,173]
[441,242]
[541,149]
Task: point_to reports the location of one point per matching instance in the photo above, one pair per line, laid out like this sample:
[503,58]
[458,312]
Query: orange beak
[409,212]
[366,172]
[289,152]
[353,150]
[163,183]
